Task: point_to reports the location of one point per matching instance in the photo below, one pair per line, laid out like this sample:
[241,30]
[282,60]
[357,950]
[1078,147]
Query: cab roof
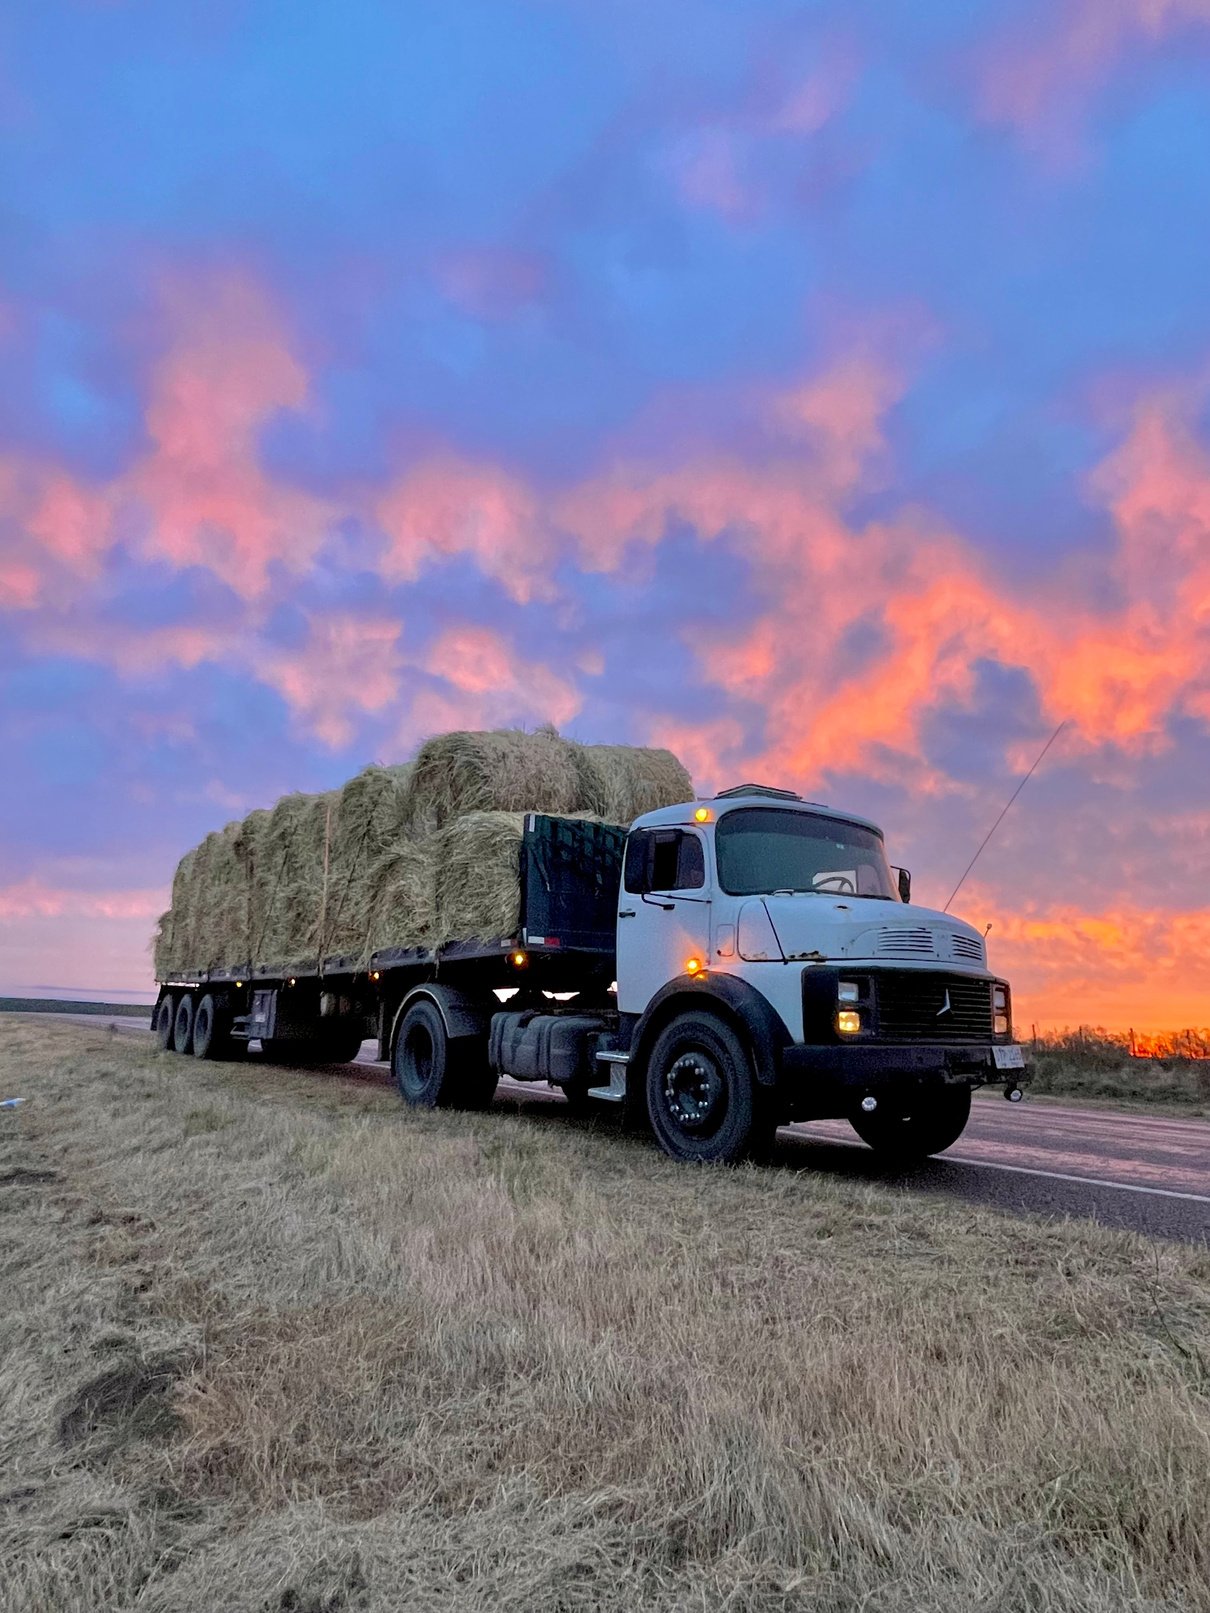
[732,800]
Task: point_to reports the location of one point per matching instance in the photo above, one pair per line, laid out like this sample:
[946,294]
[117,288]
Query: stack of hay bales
[405,856]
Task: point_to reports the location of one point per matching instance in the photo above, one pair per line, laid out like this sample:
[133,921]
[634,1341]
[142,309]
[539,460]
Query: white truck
[719,969]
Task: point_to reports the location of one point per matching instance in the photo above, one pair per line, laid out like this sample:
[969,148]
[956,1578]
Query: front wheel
[703,1100]
[906,1131]
[435,1071]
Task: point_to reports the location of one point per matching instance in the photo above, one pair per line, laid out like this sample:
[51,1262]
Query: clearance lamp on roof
[702,814]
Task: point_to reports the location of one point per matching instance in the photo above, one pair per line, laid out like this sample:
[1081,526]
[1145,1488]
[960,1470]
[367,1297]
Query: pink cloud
[32,899]
[492,283]
[449,507]
[484,682]
[348,667]
[228,370]
[1038,80]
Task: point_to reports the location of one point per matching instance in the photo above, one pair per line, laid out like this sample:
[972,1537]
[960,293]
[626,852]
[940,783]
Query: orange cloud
[1126,966]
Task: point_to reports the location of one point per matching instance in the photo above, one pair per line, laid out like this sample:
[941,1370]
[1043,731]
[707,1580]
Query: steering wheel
[836,885]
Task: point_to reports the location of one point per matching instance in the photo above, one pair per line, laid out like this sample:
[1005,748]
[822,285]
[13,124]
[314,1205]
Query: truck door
[663,912]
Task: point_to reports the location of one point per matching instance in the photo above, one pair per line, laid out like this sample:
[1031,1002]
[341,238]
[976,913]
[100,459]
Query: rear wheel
[182,1025]
[212,1029]
[165,1016]
[433,1070]
[703,1099]
[905,1132]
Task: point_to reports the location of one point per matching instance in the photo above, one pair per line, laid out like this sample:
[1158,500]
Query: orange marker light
[519,959]
[693,966]
[375,975]
[702,814]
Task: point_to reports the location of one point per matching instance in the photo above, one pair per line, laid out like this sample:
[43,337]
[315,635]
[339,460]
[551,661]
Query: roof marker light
[702,814]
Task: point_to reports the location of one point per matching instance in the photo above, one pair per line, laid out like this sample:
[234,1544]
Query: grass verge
[1110,1076]
[272,1344]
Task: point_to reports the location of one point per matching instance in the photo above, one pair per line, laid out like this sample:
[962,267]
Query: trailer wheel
[211,1030]
[433,1070]
[702,1097]
[165,1016]
[182,1025]
[928,1123]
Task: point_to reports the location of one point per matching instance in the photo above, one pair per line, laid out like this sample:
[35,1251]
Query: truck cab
[763,936]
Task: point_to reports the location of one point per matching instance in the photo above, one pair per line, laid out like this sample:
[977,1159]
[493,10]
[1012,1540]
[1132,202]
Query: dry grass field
[271,1344]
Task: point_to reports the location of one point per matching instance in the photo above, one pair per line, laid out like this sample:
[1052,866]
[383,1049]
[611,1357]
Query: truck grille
[900,943]
[920,1006]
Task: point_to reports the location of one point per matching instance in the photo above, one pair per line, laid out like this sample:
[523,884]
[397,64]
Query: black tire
[703,1100]
[906,1132]
[211,1029]
[182,1025]
[433,1071]
[165,1019]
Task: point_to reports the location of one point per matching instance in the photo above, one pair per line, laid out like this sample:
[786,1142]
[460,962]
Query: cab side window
[665,860]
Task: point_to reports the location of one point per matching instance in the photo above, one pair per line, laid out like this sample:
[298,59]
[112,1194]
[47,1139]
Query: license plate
[1008,1058]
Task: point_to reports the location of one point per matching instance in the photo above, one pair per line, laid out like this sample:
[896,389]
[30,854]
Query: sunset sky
[822,390]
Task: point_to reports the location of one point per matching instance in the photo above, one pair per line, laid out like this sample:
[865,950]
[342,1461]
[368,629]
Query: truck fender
[736,1000]
[463,1014]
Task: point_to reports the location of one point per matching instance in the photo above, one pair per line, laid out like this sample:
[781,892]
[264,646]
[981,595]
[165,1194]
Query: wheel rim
[417,1063]
[695,1093]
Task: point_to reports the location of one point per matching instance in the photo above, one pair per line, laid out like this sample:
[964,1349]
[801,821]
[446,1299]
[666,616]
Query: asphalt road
[1146,1172]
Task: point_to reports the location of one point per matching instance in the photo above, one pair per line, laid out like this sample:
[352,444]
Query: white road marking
[1029,1170]
[1087,1181]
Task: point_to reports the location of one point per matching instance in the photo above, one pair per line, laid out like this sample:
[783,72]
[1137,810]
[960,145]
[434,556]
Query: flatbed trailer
[722,967]
[320,1010]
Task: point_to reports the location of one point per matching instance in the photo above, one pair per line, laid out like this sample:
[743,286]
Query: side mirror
[905,884]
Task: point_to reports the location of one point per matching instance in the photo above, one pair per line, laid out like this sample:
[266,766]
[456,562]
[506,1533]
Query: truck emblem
[945,1006]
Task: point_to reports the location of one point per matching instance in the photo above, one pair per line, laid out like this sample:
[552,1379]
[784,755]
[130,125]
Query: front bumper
[828,1080]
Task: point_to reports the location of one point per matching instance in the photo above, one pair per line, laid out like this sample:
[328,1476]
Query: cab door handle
[627,913]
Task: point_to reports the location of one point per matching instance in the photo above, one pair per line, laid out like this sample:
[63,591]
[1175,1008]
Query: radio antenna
[1004,813]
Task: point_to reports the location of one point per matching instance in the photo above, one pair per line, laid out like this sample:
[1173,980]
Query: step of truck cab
[615,1062]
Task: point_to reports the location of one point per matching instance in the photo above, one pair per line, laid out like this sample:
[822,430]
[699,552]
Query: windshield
[766,849]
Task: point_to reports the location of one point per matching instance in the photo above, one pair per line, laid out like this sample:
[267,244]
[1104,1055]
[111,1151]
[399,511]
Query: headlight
[848,1022]
[1000,999]
[1000,1025]
[848,991]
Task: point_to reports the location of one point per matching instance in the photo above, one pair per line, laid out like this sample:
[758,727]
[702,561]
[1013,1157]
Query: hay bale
[401,856]
[369,822]
[402,904]
[163,951]
[618,783]
[506,770]
[477,884]
[289,897]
